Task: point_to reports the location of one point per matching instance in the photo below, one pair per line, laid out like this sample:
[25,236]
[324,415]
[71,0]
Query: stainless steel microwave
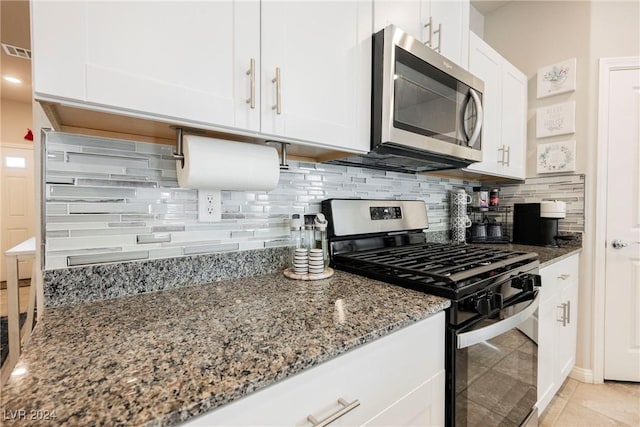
[426,111]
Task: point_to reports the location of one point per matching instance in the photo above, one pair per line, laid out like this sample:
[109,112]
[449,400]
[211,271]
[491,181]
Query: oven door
[496,368]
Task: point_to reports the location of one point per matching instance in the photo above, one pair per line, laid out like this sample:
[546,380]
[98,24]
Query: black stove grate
[433,264]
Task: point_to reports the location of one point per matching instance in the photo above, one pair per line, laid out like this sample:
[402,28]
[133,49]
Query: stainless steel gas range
[491,349]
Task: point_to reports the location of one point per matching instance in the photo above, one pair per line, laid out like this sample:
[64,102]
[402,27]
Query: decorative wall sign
[557,119]
[557,78]
[556,157]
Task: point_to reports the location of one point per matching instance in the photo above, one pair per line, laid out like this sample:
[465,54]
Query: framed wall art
[556,157]
[557,78]
[557,119]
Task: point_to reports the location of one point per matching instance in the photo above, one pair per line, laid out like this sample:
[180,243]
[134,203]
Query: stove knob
[497,301]
[526,282]
[483,306]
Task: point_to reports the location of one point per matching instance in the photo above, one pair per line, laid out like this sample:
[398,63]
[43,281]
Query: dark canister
[494,197]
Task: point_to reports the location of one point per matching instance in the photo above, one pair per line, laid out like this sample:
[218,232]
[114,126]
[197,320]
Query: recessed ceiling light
[12,79]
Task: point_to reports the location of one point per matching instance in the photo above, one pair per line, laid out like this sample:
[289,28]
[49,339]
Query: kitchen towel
[217,164]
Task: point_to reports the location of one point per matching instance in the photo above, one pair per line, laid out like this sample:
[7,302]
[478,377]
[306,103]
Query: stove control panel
[385,212]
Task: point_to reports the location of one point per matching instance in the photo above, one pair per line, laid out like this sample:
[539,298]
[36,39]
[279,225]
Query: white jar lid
[553,209]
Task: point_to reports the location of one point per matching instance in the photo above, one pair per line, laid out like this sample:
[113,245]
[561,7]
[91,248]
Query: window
[15,162]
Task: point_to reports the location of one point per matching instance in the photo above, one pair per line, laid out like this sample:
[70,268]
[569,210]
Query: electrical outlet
[209,205]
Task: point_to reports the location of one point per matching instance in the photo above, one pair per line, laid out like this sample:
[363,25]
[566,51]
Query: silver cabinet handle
[346,407]
[564,276]
[501,150]
[276,80]
[439,32]
[251,72]
[568,312]
[563,319]
[429,25]
[505,150]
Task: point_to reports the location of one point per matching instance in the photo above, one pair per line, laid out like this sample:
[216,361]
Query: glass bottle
[308,240]
[296,235]
[321,237]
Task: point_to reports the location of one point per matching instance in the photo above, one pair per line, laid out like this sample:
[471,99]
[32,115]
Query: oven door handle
[474,337]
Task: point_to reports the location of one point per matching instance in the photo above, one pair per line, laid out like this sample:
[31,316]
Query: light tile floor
[598,405]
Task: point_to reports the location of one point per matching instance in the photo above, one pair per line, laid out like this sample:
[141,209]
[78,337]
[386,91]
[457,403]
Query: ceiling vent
[16,51]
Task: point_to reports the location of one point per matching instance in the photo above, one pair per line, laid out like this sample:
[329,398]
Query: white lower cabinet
[397,380]
[557,323]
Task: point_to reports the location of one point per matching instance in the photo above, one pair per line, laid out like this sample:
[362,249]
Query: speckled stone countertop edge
[560,257]
[96,351]
[207,405]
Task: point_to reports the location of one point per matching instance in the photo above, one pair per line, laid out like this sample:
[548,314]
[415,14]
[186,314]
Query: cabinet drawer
[558,275]
[423,406]
[376,374]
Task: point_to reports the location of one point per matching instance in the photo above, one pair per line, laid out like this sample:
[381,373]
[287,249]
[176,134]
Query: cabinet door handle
[439,32]
[563,319]
[276,80]
[429,25]
[502,151]
[568,312]
[251,72]
[508,150]
[346,407]
[564,276]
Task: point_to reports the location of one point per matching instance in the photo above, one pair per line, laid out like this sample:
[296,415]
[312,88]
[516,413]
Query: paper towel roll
[217,164]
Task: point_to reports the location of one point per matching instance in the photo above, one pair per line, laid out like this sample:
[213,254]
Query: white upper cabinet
[450,22]
[406,15]
[442,25]
[211,64]
[504,132]
[58,45]
[316,78]
[514,121]
[165,58]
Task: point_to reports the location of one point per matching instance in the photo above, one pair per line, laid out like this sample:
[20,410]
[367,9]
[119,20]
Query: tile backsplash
[110,200]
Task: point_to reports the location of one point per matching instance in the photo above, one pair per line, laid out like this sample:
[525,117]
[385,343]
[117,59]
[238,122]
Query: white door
[316,77]
[174,59]
[622,288]
[18,198]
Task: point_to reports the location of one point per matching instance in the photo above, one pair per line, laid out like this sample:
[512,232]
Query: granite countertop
[546,255]
[160,358]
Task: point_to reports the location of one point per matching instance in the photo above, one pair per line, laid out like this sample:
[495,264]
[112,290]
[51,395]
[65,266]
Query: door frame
[607,66]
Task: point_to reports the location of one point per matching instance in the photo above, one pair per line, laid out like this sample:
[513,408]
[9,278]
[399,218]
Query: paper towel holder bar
[178,154]
[283,154]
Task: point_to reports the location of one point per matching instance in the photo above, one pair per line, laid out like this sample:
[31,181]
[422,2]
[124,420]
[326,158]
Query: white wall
[534,34]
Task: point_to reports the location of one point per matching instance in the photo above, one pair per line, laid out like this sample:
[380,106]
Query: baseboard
[581,374]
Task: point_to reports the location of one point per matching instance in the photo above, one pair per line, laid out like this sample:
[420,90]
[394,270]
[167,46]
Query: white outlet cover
[209,206]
